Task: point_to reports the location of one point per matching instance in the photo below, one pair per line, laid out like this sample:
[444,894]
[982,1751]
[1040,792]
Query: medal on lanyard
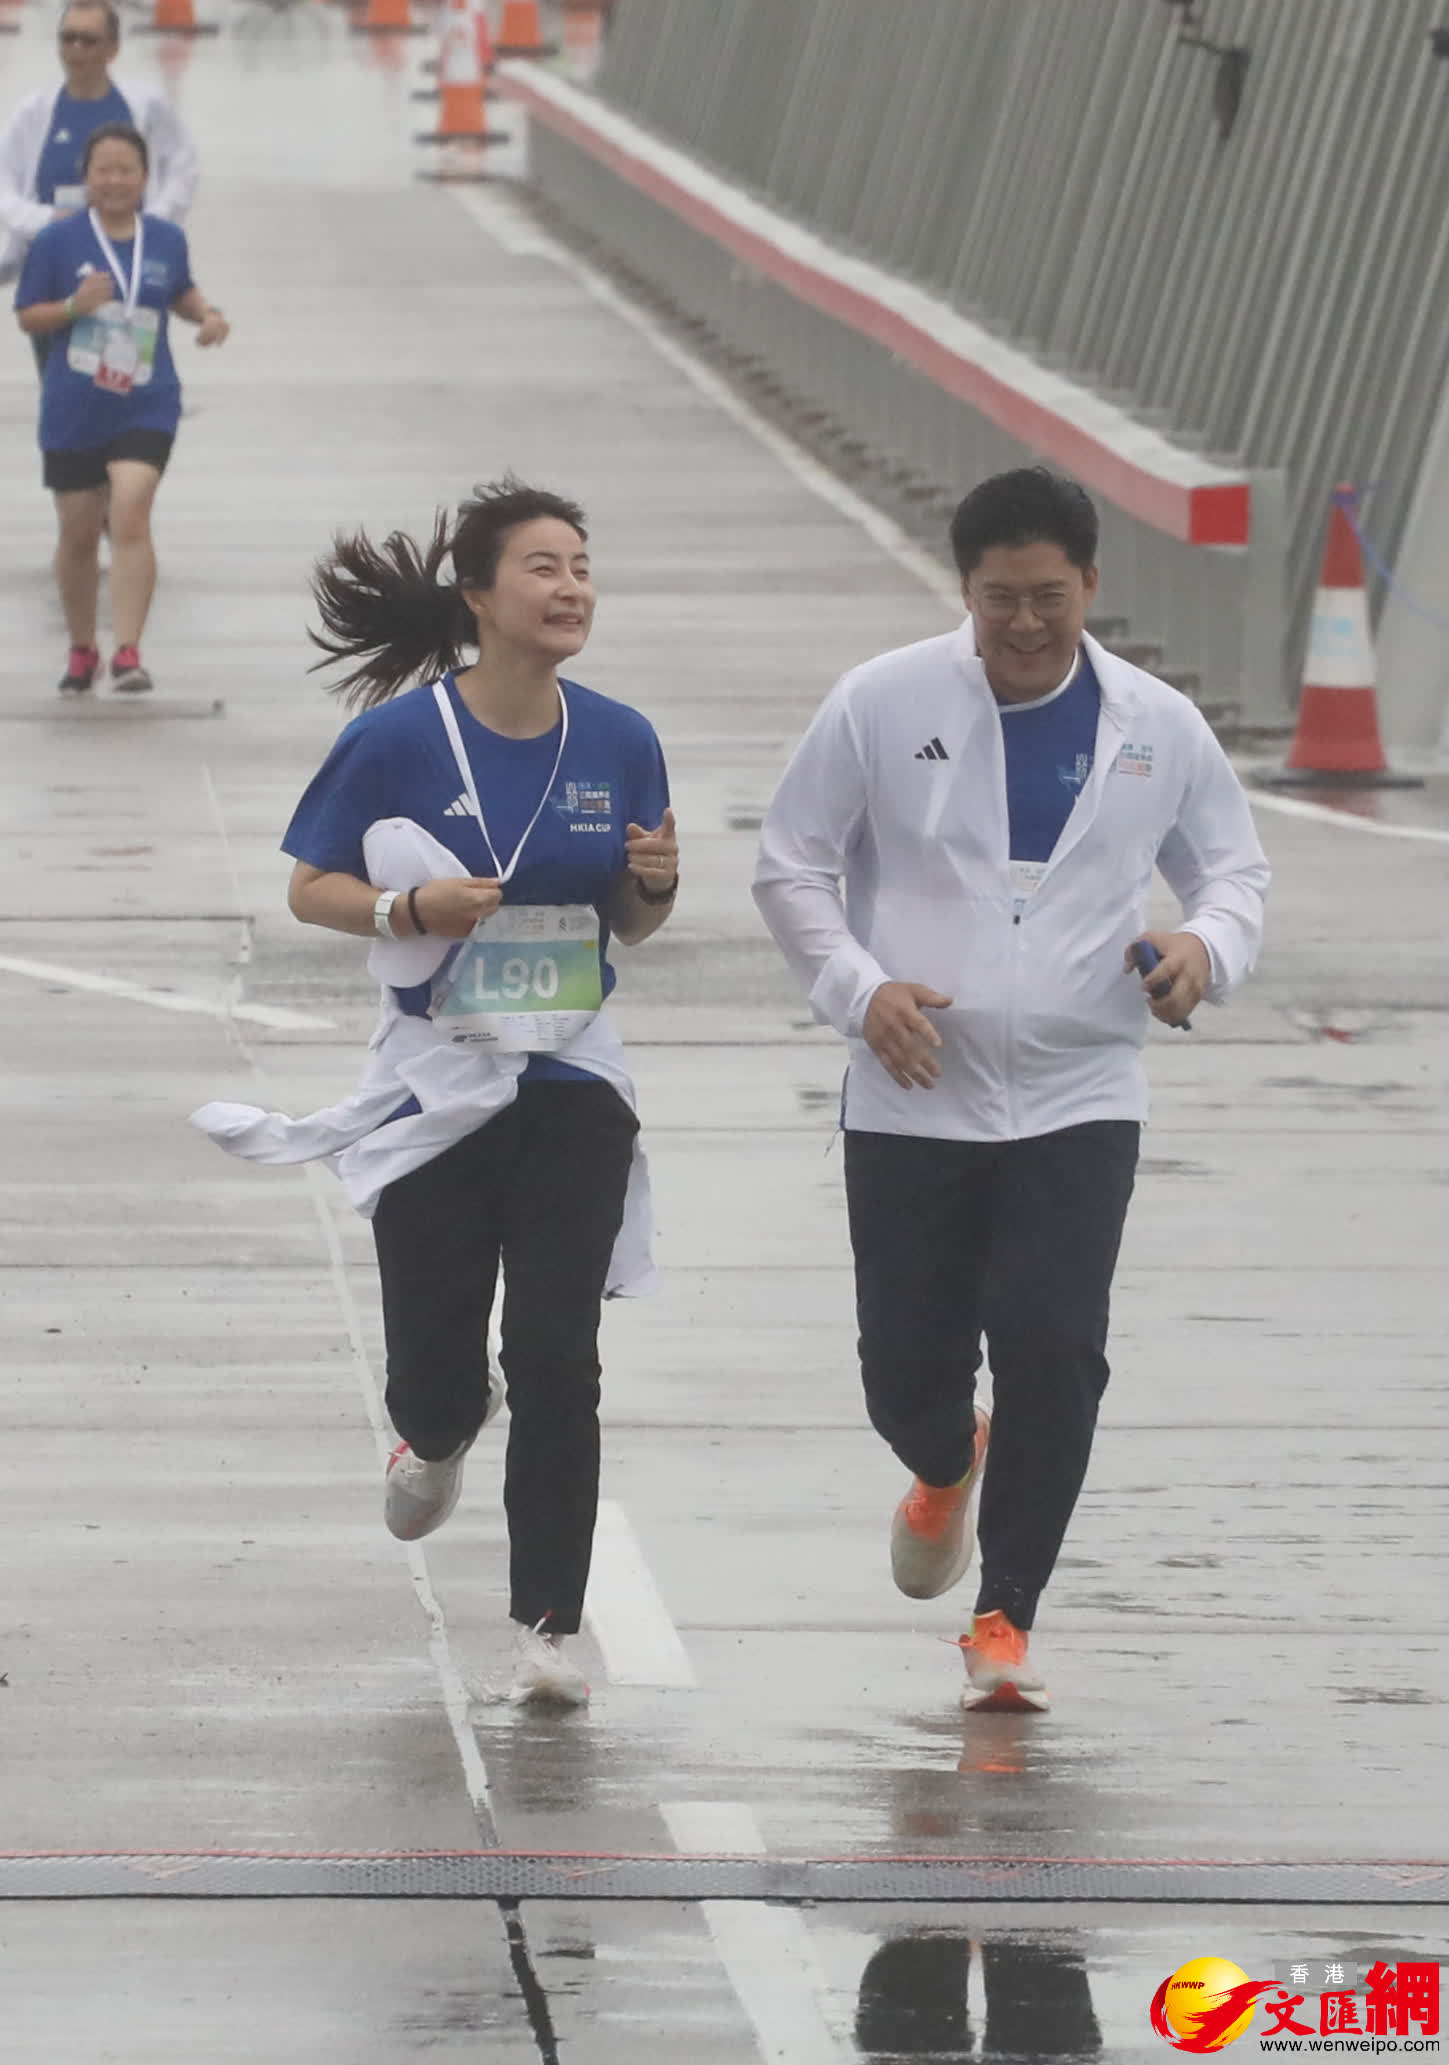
[120,352]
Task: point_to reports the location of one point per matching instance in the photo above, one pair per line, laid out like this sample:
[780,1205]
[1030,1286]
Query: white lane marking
[1325,814]
[489,211]
[626,1615]
[510,226]
[766,1951]
[457,1701]
[163,999]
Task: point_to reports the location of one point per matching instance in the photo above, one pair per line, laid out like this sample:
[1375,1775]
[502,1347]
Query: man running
[956,865]
[43,147]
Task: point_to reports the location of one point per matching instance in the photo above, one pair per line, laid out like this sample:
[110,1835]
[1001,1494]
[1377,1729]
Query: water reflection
[948,1997]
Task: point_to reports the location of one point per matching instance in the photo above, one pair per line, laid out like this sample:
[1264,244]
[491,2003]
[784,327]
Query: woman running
[505,808]
[109,277]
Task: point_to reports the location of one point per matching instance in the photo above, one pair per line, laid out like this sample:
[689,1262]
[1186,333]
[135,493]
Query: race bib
[115,352]
[526,982]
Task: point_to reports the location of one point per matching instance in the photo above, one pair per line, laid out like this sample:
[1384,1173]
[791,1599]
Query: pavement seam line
[457,1701]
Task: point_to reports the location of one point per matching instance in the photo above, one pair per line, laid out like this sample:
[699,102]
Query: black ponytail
[384,608]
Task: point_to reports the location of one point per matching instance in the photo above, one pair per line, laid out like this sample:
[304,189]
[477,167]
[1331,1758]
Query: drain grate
[557,1875]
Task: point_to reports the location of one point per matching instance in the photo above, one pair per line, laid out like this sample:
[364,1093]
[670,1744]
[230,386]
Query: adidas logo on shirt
[459,807]
[933,750]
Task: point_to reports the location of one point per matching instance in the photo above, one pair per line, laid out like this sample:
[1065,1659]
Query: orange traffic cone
[1337,742]
[386,18]
[484,36]
[520,33]
[177,18]
[583,36]
[463,115]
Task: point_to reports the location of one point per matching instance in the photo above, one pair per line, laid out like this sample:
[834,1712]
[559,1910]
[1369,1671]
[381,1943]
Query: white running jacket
[170,190]
[458,1089]
[1045,1028]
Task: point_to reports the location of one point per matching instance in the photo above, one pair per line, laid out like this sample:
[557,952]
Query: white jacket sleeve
[175,165]
[1215,865]
[817,813]
[21,213]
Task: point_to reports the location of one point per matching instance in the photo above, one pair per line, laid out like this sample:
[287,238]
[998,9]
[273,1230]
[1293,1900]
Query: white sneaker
[933,1533]
[419,1496]
[542,1672]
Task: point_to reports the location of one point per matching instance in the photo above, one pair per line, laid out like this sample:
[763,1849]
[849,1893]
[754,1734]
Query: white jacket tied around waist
[1045,1029]
[170,189]
[458,1089]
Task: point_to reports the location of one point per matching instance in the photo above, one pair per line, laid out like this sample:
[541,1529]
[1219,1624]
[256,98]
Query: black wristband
[418,926]
[657,895]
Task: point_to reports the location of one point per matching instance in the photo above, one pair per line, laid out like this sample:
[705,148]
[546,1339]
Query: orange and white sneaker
[933,1534]
[999,1679]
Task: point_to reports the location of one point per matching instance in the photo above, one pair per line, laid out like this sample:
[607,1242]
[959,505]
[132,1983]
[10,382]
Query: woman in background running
[101,285]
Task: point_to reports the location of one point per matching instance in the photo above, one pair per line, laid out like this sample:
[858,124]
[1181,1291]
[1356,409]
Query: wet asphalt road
[207,1641]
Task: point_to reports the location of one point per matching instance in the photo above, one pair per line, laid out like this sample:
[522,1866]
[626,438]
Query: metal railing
[859,346]
[1055,171]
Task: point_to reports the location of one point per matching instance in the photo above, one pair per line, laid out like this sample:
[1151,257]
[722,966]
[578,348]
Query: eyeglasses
[81,36]
[1000,605]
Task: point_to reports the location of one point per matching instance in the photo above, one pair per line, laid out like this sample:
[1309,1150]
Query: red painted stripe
[1217,515]
[1342,559]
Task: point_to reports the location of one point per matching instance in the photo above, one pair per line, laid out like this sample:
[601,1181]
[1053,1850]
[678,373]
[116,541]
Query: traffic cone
[520,33]
[583,36]
[386,18]
[176,18]
[484,36]
[1337,742]
[462,116]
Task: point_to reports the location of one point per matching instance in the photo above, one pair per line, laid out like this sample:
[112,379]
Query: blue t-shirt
[395,761]
[62,155]
[1050,746]
[75,414]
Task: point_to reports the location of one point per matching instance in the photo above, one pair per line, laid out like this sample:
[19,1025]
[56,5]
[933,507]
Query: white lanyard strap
[455,739]
[132,289]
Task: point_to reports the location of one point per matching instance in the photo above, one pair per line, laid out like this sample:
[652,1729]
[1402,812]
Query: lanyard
[132,291]
[455,739]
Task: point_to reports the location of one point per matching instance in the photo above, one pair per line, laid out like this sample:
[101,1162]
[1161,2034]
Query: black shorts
[69,473]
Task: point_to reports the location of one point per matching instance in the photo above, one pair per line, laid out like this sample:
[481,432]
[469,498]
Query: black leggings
[1016,1240]
[540,1189]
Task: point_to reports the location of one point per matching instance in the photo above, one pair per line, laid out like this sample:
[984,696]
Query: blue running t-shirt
[1050,746]
[75,414]
[60,176]
[396,761]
